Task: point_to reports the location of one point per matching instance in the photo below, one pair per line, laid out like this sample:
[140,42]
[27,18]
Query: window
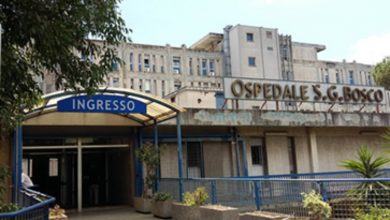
[212,67]
[114,66]
[162,64]
[198,67]
[190,67]
[257,155]
[176,65]
[369,79]
[147,63]
[131,83]
[204,67]
[326,79]
[351,78]
[194,159]
[147,86]
[249,37]
[270,48]
[268,34]
[115,81]
[252,61]
[140,85]
[154,64]
[139,62]
[292,155]
[131,62]
[53,166]
[177,84]
[219,99]
[338,78]
[163,88]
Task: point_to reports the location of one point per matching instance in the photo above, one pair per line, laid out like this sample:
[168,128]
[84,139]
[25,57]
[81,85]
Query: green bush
[374,214]
[10,207]
[197,198]
[162,196]
[317,208]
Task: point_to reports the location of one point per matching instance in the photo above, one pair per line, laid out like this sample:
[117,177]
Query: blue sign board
[101,103]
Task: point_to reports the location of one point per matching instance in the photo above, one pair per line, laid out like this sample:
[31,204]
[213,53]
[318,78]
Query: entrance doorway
[102,179]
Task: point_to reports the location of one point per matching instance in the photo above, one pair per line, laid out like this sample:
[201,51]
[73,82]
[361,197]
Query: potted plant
[162,205]
[317,208]
[189,210]
[57,213]
[149,156]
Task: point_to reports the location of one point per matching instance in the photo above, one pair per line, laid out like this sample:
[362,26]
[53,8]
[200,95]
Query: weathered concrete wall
[336,145]
[302,154]
[217,159]
[168,160]
[277,154]
[282,118]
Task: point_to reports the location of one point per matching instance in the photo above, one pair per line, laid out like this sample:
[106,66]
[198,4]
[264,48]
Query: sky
[350,29]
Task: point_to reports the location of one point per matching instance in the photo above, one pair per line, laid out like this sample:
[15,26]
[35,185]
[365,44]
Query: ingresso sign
[275,90]
[101,103]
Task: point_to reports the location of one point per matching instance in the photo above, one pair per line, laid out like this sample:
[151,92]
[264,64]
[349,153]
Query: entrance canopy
[157,110]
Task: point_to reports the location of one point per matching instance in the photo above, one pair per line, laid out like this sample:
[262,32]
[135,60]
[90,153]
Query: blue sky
[352,30]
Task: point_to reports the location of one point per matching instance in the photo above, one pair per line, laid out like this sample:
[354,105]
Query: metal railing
[34,206]
[284,194]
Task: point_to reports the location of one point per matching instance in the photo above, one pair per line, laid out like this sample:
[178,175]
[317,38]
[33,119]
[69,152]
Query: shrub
[374,214]
[314,203]
[5,207]
[162,196]
[197,198]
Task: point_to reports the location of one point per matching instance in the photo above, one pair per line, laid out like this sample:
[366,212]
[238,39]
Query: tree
[382,73]
[48,37]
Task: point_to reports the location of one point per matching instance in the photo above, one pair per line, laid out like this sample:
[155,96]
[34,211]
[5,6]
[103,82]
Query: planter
[162,209]
[142,205]
[58,217]
[183,212]
[263,216]
[218,212]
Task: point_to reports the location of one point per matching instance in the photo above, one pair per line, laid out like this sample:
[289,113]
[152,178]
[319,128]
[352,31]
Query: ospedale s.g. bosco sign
[274,90]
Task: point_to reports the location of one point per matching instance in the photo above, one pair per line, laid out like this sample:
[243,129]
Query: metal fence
[35,206]
[284,194]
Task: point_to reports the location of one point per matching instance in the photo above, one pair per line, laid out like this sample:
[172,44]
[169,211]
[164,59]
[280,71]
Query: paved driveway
[109,213]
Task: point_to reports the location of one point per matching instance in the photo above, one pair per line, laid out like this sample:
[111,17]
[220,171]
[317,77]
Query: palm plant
[368,166]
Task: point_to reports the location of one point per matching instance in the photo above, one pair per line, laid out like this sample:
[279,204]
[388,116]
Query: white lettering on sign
[103,105]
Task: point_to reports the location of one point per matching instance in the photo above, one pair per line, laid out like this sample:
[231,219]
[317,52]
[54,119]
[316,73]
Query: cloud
[372,49]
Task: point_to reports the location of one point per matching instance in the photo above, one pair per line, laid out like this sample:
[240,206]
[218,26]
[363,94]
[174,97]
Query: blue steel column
[158,167]
[244,157]
[179,156]
[17,155]
[20,155]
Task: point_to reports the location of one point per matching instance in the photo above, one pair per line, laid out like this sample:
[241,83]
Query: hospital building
[247,101]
